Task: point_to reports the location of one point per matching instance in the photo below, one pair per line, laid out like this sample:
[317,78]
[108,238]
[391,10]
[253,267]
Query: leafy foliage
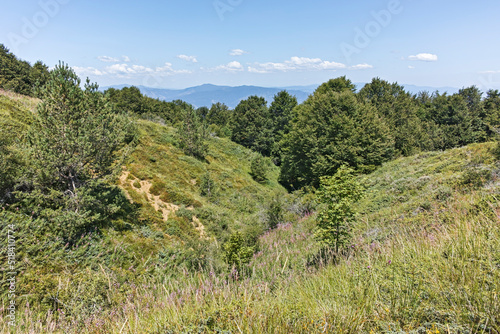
[219,117]
[7,166]
[338,193]
[331,129]
[207,185]
[219,114]
[275,213]
[251,125]
[400,113]
[453,122]
[338,85]
[280,111]
[492,109]
[131,101]
[128,100]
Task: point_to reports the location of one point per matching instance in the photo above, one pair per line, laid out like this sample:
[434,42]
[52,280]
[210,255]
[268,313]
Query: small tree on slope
[72,145]
[337,193]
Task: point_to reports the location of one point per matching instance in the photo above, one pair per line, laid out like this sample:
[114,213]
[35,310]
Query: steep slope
[159,175]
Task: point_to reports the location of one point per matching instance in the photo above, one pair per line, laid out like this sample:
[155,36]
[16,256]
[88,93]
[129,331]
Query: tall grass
[441,278]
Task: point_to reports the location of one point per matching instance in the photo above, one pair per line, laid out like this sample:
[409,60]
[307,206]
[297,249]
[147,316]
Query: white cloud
[126,69]
[296,64]
[255,70]
[123,70]
[411,67]
[131,70]
[489,72]
[424,57]
[237,52]
[188,58]
[84,71]
[361,67]
[107,59]
[167,69]
[233,66]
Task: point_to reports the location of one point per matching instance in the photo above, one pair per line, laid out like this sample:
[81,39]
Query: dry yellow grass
[158,204]
[29,102]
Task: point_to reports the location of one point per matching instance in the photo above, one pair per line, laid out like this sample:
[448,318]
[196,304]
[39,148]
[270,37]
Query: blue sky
[182,43]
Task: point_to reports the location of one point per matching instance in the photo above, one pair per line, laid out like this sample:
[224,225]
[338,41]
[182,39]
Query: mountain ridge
[207,94]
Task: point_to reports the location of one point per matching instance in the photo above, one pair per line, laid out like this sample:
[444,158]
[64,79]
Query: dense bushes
[72,145]
[18,75]
[337,126]
[331,129]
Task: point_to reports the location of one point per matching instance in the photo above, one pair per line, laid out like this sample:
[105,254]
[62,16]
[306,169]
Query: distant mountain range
[206,95]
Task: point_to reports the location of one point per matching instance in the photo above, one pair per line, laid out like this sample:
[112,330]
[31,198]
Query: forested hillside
[353,212]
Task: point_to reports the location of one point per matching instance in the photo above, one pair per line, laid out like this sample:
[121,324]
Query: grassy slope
[426,260]
[144,246]
[15,114]
[175,220]
[426,255]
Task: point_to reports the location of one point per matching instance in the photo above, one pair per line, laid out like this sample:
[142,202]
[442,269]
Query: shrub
[275,213]
[258,168]
[184,213]
[207,185]
[474,178]
[235,253]
[193,134]
[496,151]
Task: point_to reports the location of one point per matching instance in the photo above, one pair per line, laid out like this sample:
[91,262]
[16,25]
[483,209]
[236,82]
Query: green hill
[425,256]
[170,222]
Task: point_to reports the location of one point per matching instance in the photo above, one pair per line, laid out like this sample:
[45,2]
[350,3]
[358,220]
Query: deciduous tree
[331,129]
[337,193]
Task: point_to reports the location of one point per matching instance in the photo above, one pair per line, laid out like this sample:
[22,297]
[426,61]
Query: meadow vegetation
[355,212]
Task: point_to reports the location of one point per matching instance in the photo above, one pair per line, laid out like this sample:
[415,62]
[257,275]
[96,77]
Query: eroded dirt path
[159,205]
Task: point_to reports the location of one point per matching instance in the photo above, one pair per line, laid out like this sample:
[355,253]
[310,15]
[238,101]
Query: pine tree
[73,141]
[492,109]
[193,133]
